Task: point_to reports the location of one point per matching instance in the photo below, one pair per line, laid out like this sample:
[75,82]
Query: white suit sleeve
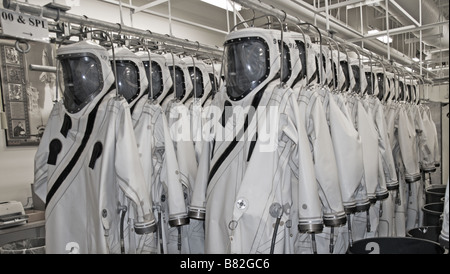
[325,165]
[197,209]
[130,174]
[180,127]
[387,159]
[407,142]
[426,157]
[369,138]
[309,208]
[177,206]
[435,148]
[349,158]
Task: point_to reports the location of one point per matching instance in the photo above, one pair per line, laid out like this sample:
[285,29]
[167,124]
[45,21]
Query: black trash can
[432,214]
[27,246]
[425,232]
[434,193]
[395,245]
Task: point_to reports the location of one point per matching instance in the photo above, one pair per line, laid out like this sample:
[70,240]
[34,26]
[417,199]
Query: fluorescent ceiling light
[223,4]
[383,38]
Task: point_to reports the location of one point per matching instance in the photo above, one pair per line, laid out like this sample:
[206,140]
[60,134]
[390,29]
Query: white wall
[16,171]
[439,93]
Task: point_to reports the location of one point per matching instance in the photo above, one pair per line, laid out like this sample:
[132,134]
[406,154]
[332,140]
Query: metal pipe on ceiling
[430,14]
[306,12]
[131,7]
[104,25]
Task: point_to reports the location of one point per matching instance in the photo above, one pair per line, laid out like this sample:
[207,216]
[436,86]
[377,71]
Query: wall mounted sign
[19,25]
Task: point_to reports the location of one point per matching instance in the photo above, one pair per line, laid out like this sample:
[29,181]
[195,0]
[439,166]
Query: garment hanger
[320,61]
[355,49]
[334,66]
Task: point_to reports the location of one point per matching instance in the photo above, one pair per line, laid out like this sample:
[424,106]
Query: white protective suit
[387,177]
[365,126]
[202,86]
[87,164]
[430,164]
[178,117]
[357,225]
[386,207]
[424,156]
[256,171]
[313,117]
[392,120]
[407,136]
[387,163]
[158,157]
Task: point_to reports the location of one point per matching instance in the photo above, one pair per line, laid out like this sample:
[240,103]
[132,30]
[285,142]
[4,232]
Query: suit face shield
[369,83]
[179,84]
[246,65]
[335,69]
[214,82]
[302,53]
[345,70]
[356,74]
[156,78]
[81,79]
[127,79]
[381,87]
[324,65]
[409,94]
[287,66]
[401,95]
[197,80]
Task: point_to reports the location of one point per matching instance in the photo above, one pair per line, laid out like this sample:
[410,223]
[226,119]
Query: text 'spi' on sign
[19,25]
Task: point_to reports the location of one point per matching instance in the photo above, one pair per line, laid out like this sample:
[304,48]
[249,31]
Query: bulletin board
[27,95]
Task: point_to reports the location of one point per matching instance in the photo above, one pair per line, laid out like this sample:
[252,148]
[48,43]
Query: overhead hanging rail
[59,14]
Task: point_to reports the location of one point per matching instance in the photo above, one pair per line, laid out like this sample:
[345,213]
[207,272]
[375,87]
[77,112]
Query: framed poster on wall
[27,95]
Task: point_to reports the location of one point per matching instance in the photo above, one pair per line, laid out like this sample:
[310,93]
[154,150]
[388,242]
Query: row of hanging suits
[378,125]
[107,165]
[367,152]
[285,165]
[166,127]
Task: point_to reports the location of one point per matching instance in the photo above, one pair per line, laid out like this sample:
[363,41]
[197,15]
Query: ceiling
[344,17]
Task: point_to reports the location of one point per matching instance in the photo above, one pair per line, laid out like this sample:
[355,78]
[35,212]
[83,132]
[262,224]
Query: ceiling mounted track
[61,15]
